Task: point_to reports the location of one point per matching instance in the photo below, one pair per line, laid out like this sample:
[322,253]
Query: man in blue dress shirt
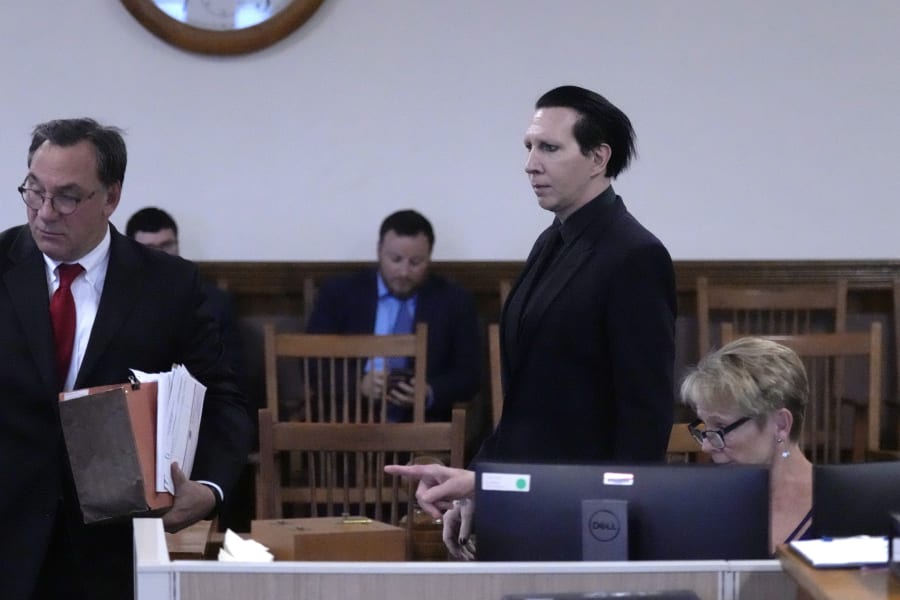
[391,298]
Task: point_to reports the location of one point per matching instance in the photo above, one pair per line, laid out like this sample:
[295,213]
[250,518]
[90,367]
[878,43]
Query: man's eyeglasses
[64,204]
[715,437]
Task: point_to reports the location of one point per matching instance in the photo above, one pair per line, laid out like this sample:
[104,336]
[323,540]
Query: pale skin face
[164,239]
[562,177]
[70,170]
[403,262]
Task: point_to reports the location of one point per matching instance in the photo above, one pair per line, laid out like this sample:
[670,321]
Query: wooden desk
[838,584]
[189,543]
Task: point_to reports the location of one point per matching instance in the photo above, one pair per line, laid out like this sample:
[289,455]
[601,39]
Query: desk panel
[161,579]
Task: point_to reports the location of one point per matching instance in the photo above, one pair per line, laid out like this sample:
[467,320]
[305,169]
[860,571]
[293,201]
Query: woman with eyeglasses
[750,397]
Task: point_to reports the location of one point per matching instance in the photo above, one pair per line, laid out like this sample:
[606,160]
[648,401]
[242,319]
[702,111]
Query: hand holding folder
[112,436]
[179,408]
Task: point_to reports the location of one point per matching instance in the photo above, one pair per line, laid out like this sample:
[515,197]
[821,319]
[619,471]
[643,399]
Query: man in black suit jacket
[587,333]
[155,228]
[366,302]
[135,308]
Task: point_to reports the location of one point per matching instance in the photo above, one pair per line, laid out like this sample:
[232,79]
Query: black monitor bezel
[722,512]
[855,499]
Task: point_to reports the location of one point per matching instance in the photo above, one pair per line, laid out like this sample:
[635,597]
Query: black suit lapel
[512,310]
[428,302]
[549,287]
[26,284]
[555,280]
[121,290]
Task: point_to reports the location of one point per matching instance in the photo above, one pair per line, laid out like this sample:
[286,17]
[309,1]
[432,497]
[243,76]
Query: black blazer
[588,359]
[149,317]
[347,304]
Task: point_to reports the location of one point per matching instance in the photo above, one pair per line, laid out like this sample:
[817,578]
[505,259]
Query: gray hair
[754,375]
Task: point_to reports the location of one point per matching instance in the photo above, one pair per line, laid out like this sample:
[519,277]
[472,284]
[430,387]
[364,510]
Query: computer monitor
[855,499]
[529,512]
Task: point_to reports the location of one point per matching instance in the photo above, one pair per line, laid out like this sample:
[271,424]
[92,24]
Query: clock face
[222,15]
[222,27]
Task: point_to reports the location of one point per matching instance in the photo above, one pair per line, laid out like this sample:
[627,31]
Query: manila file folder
[110,436]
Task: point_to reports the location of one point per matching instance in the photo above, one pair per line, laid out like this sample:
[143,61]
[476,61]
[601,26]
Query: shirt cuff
[217,492]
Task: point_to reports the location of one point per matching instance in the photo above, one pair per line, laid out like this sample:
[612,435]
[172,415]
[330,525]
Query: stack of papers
[857,551]
[179,407]
[236,549]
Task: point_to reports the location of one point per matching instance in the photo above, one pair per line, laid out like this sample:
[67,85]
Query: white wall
[766,128]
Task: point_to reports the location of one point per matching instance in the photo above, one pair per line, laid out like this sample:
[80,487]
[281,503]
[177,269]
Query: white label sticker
[505,482]
[610,478]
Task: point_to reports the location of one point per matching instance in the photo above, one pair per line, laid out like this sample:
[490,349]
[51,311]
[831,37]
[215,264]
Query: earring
[784,453]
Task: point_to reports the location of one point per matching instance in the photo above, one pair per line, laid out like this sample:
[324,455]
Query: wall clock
[221,26]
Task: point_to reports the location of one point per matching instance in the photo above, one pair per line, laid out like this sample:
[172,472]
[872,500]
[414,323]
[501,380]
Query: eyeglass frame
[713,434]
[45,197]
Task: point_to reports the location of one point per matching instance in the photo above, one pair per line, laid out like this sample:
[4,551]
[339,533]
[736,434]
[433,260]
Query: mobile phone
[395,376]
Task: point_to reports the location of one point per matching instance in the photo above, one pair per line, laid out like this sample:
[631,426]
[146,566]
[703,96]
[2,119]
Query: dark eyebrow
[69,187]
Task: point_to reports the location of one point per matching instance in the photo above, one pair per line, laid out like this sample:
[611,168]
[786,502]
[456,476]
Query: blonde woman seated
[750,397]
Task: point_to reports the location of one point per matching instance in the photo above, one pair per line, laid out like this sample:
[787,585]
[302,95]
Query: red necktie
[62,314]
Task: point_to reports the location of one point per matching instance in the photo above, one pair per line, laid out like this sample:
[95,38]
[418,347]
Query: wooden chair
[825,356]
[683,447]
[330,368]
[496,381]
[344,466]
[884,453]
[770,311]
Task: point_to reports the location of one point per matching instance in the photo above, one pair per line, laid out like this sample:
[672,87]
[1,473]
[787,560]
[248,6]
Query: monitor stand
[604,532]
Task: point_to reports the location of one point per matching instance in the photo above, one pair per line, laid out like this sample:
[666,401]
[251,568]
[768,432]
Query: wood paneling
[483,276]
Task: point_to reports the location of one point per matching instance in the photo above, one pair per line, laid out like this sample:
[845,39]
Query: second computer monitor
[855,499]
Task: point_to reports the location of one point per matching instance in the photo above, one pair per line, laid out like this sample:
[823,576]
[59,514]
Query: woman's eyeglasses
[715,437]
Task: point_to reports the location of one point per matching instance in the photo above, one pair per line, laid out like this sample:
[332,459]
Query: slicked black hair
[599,122]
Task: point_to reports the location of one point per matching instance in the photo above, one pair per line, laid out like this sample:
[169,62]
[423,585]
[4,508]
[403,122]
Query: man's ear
[113,195]
[600,156]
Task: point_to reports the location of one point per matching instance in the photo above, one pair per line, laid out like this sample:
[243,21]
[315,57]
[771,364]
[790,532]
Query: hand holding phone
[397,376]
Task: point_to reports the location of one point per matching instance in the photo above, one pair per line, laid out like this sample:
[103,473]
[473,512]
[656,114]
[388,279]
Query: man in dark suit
[155,228]
[130,307]
[371,301]
[587,333]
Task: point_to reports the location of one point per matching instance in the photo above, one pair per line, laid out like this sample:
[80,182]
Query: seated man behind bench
[391,299]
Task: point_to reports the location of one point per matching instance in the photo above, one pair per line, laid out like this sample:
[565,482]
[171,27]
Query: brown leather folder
[110,436]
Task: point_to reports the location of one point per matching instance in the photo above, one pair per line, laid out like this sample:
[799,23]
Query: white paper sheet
[856,551]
